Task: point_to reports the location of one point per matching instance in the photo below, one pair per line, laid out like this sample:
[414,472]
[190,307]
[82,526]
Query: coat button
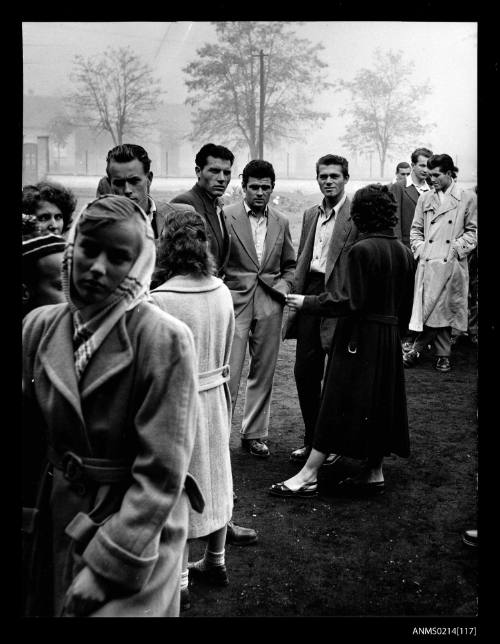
[444,260]
[430,241]
[449,221]
[447,241]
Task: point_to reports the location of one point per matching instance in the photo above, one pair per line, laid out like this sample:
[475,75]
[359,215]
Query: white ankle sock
[214,558]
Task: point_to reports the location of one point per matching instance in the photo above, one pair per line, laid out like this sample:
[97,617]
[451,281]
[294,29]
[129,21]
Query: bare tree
[60,127]
[385,107]
[115,92]
[224,84]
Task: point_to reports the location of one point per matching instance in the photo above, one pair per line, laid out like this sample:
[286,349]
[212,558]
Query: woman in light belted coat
[442,234]
[186,288]
[109,385]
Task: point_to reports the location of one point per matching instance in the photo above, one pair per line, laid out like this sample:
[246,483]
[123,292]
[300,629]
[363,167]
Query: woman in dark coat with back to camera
[363,410]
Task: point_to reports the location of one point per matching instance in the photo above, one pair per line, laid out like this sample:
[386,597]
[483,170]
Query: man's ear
[150,179]
[197,170]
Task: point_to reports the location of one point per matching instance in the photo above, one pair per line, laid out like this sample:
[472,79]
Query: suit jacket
[344,235]
[163,208]
[243,272]
[406,199]
[204,205]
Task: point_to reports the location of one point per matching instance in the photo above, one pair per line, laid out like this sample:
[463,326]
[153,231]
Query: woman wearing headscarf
[109,386]
[363,405]
[187,289]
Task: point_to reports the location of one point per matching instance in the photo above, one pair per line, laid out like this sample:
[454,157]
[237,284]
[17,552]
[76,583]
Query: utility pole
[261,55]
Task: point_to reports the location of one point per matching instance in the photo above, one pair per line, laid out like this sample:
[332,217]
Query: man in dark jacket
[213,165]
[213,170]
[128,170]
[327,233]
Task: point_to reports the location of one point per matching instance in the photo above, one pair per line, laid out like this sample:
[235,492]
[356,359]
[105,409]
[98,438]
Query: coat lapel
[450,200]
[211,215]
[339,237]
[412,193]
[242,230]
[273,230]
[56,356]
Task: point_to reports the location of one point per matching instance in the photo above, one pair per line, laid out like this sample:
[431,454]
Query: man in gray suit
[259,274]
[128,170]
[213,165]
[327,234]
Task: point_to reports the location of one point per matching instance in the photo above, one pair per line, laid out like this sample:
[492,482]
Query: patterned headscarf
[91,328]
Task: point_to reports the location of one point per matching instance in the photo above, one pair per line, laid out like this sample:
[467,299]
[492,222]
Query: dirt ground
[400,554]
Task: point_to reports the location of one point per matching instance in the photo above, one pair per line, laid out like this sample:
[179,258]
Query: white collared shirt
[420,189]
[323,235]
[259,229]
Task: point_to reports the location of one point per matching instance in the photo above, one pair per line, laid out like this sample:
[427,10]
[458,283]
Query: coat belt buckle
[72,467]
[352,348]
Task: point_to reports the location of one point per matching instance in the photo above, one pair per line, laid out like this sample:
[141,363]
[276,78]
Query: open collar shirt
[259,229]
[420,189]
[323,235]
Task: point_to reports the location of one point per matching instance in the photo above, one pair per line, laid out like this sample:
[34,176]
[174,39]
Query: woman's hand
[295,301]
[86,594]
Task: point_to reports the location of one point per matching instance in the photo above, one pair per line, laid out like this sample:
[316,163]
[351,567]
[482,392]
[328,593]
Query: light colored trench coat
[136,403]
[206,307]
[441,280]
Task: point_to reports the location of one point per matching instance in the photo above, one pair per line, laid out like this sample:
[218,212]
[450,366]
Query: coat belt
[383,319]
[77,468]
[213,378]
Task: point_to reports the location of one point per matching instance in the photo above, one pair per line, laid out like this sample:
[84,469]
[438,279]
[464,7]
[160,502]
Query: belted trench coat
[442,279]
[135,404]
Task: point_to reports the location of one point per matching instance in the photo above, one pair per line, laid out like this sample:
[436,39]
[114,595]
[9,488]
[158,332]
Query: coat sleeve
[351,295]
[467,241]
[417,239]
[287,263]
[125,548]
[397,193]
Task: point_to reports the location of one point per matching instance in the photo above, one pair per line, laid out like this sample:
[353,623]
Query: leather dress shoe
[255,446]
[442,364]
[239,536]
[213,575]
[470,538]
[357,488]
[410,358]
[301,454]
[331,459]
[304,492]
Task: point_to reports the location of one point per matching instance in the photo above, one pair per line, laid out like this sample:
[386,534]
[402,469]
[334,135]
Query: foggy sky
[445,53]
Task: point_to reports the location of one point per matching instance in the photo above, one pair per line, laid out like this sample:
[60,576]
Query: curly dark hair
[259,169]
[55,193]
[374,208]
[182,248]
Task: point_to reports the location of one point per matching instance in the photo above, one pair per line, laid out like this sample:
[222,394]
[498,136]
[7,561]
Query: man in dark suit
[259,274]
[128,171]
[327,234]
[213,170]
[407,195]
[406,199]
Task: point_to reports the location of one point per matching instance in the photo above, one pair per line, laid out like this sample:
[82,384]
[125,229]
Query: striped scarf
[93,323]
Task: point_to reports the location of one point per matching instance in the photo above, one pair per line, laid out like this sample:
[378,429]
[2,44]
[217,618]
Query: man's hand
[86,594]
[295,301]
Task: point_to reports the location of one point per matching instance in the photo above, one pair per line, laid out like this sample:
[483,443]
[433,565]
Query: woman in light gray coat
[442,234]
[188,290]
[109,385]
